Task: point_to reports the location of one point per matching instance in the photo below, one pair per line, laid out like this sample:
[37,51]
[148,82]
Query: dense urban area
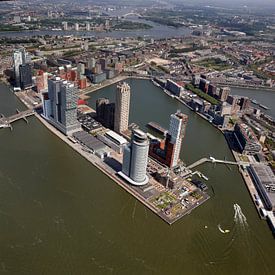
[54,56]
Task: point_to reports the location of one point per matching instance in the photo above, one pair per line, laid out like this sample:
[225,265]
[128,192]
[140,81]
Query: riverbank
[264,88]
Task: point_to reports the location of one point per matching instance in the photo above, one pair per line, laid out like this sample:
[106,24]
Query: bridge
[6,122]
[213,160]
[132,13]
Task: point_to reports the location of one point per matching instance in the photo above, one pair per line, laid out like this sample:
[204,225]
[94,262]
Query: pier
[5,122]
[213,160]
[156,127]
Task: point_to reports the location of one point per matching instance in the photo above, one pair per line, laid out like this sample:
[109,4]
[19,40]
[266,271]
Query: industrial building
[264,181]
[97,147]
[113,140]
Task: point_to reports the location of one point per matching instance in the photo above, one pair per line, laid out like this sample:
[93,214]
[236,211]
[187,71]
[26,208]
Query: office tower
[135,159]
[98,69]
[25,72]
[212,89]
[81,68]
[63,105]
[204,84]
[65,26]
[167,151]
[76,26]
[224,93]
[105,112]
[122,107]
[178,122]
[233,100]
[196,79]
[104,63]
[91,63]
[19,58]
[173,87]
[244,103]
[88,26]
[41,81]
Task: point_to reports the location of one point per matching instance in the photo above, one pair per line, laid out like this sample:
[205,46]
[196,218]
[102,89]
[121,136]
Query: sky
[231,2]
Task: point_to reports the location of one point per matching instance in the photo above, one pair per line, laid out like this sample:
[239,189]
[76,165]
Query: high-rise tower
[122,107]
[177,129]
[19,58]
[135,159]
[61,105]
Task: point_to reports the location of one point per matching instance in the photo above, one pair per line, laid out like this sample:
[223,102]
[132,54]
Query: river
[157,31]
[265,97]
[60,215]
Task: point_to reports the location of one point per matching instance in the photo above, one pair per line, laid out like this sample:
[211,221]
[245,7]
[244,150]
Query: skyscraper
[105,112]
[25,72]
[167,151]
[177,129]
[19,58]
[62,105]
[122,107]
[135,159]
[91,63]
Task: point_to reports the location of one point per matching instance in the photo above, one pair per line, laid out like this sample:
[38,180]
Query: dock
[156,127]
[5,122]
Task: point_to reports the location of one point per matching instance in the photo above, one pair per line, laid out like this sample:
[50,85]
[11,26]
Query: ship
[155,83]
[264,107]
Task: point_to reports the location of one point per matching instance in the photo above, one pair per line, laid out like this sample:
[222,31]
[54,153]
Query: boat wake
[223,231]
[239,217]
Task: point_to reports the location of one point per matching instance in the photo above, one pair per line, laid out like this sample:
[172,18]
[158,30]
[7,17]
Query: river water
[157,31]
[60,215]
[265,97]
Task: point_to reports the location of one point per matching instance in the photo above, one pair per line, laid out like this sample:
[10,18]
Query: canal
[60,215]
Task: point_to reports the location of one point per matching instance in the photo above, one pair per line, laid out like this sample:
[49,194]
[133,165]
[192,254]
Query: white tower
[135,159]
[177,128]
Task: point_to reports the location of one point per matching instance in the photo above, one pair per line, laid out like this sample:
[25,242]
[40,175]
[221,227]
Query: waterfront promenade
[137,192]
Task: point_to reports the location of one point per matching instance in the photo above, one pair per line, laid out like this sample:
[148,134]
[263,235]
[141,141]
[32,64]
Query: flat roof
[90,141]
[117,137]
[267,178]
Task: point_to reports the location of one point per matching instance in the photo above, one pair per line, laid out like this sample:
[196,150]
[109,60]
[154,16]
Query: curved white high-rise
[135,159]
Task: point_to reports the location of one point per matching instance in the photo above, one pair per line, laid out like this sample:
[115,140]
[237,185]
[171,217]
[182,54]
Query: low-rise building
[264,181]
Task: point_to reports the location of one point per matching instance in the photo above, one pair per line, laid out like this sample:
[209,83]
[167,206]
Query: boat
[263,106]
[223,231]
[155,83]
[254,101]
